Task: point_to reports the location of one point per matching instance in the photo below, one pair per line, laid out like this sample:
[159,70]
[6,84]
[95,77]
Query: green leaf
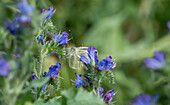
[39,82]
[50,102]
[81,97]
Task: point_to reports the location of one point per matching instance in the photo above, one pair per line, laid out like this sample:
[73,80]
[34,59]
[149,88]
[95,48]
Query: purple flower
[109,96]
[51,11]
[53,71]
[104,64]
[79,81]
[24,7]
[157,62]
[11,27]
[145,99]
[5,67]
[40,38]
[61,39]
[101,90]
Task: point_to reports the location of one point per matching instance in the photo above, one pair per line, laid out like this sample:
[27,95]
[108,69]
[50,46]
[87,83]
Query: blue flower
[17,56]
[104,64]
[53,71]
[24,7]
[109,96]
[44,87]
[23,19]
[79,81]
[157,62]
[5,67]
[92,54]
[40,38]
[34,78]
[145,99]
[61,39]
[101,90]
[11,27]
[51,11]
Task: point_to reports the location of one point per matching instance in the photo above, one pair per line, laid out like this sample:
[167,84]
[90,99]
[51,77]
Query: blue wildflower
[23,19]
[40,38]
[145,99]
[91,54]
[5,67]
[53,71]
[61,39]
[79,81]
[11,27]
[101,90]
[109,96]
[44,87]
[17,56]
[51,11]
[104,64]
[34,78]
[157,62]
[24,7]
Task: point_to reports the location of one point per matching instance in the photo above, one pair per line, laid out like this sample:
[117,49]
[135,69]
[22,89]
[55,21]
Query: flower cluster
[53,71]
[22,18]
[51,11]
[104,64]
[61,39]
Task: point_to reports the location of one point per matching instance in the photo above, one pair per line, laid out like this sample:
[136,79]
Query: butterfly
[74,57]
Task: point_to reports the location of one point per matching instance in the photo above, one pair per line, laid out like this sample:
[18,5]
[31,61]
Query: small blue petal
[84,59]
[79,81]
[91,53]
[40,38]
[44,87]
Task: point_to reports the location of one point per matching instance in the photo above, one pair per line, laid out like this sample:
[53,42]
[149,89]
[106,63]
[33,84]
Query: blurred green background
[127,30]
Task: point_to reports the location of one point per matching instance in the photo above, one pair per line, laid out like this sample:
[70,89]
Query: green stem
[41,60]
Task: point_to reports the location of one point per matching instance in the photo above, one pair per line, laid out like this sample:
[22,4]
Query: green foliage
[50,102]
[81,97]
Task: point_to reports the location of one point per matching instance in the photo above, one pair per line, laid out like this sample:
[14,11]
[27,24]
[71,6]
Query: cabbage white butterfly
[74,57]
